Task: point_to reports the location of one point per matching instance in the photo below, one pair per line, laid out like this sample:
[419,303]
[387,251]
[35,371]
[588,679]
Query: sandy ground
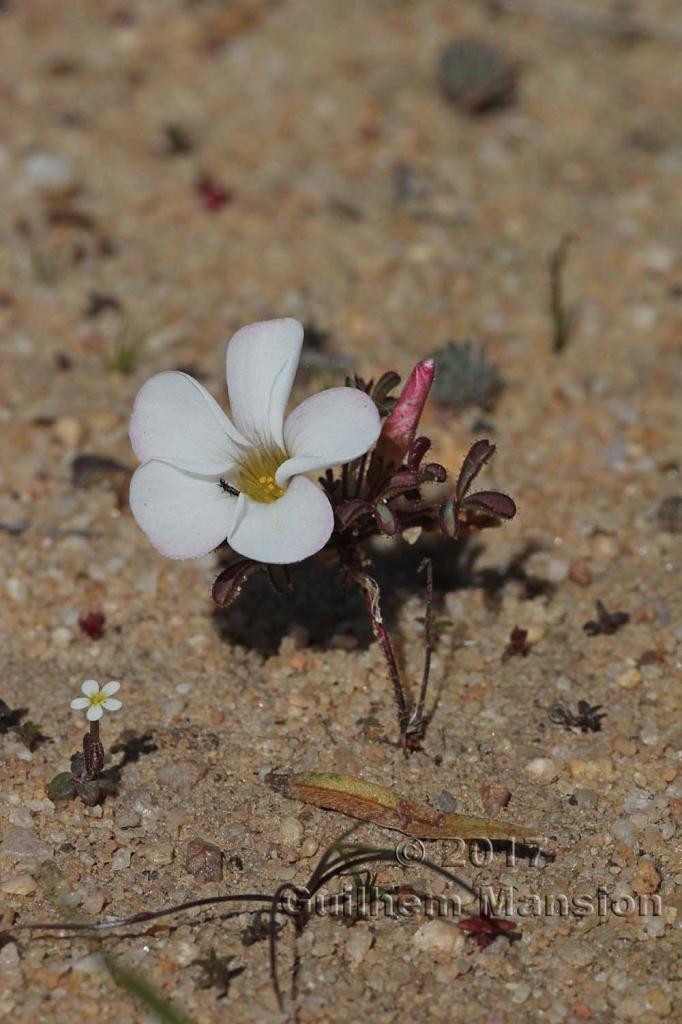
[358,200]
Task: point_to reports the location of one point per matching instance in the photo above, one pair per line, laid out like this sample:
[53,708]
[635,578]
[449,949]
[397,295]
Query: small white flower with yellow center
[206,478]
[97,701]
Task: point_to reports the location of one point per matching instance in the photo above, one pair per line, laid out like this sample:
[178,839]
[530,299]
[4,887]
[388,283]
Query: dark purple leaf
[448,517]
[349,511]
[280,577]
[435,472]
[386,519]
[229,583]
[400,482]
[416,452]
[493,502]
[385,385]
[478,455]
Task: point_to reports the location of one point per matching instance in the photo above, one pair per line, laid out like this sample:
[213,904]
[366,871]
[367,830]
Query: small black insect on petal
[228,488]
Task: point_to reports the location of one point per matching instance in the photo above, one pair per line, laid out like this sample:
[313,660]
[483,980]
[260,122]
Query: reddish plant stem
[416,723]
[372,594]
[371,591]
[361,475]
[93,751]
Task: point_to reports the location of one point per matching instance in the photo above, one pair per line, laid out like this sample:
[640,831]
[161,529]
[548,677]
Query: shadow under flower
[335,615]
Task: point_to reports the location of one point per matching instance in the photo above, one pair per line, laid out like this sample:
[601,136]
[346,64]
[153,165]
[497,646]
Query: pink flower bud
[400,426]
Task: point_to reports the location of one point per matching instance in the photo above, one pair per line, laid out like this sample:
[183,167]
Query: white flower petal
[287,530]
[80,703]
[175,419]
[184,516]
[327,429]
[90,687]
[109,689]
[112,704]
[94,712]
[261,364]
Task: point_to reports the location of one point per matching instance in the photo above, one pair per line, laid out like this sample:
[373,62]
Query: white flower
[97,701]
[206,478]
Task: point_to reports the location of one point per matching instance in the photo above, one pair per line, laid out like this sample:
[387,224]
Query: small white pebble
[438,937]
[534,635]
[68,431]
[543,769]
[160,854]
[90,964]
[52,174]
[358,945]
[20,816]
[9,955]
[16,589]
[19,885]
[557,571]
[291,831]
[120,860]
[94,902]
[520,993]
[19,750]
[630,678]
[183,952]
[649,733]
[126,818]
[309,847]
[61,636]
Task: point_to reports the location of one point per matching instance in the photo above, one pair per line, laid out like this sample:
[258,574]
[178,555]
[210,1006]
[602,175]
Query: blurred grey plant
[465,376]
[476,76]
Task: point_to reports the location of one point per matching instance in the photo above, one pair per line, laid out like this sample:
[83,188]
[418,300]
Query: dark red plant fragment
[212,195]
[484,929]
[92,624]
[518,643]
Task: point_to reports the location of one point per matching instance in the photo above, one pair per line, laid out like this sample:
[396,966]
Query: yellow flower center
[257,475]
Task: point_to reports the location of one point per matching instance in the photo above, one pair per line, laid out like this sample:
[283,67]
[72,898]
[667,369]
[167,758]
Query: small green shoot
[563,316]
[143,993]
[126,353]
